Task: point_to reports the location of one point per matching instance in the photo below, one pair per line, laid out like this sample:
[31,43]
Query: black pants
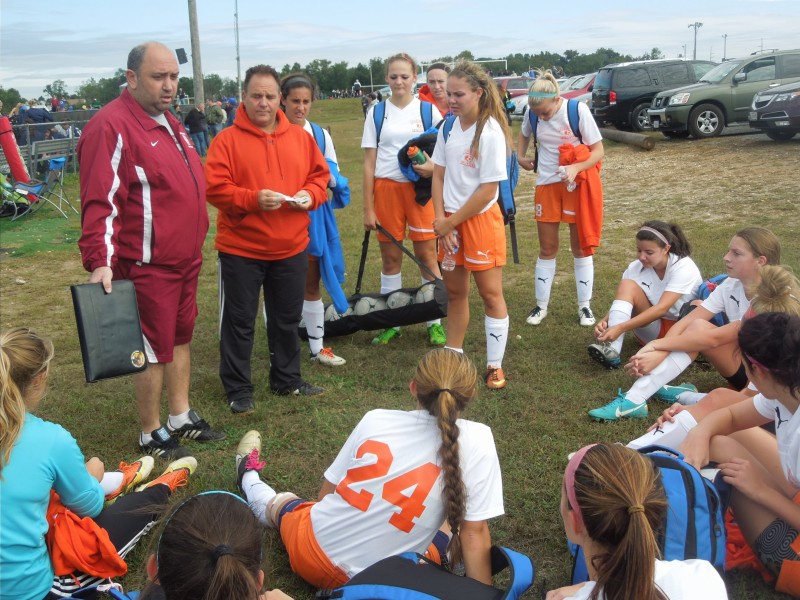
[126,521]
[283,282]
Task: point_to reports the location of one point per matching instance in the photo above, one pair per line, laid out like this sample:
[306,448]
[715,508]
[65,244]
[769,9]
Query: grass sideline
[537,420]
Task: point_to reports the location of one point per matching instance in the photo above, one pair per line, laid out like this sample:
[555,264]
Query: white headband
[656,233]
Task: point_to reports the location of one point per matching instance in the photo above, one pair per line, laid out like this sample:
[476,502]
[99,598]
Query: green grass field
[712,188]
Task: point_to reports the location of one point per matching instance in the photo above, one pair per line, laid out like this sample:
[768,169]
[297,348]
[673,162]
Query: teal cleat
[619,408]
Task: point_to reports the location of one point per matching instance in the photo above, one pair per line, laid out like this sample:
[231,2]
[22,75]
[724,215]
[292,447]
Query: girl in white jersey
[652,291]
[764,470]
[662,360]
[469,223]
[555,203]
[389,197]
[778,291]
[398,478]
[297,94]
[613,505]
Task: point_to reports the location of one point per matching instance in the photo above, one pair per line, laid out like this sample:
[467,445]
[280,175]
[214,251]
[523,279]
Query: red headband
[569,478]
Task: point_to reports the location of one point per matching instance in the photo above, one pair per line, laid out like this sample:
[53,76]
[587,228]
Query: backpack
[379,114]
[574,118]
[704,291]
[694,526]
[341,193]
[411,576]
[507,187]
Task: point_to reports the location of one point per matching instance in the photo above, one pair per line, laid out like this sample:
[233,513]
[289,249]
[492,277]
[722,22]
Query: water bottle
[571,185]
[449,260]
[416,155]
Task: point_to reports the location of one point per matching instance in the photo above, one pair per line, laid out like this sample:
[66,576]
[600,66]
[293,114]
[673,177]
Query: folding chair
[13,204]
[51,190]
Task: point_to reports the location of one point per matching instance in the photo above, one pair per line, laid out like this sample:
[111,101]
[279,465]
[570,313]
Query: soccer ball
[425,293]
[367,305]
[399,299]
[331,313]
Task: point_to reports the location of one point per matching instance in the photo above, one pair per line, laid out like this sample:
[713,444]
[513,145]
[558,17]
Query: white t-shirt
[787,430]
[551,134]
[679,580]
[681,277]
[389,487]
[728,297]
[464,173]
[399,126]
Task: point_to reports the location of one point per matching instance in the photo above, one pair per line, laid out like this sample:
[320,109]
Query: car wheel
[780,136]
[706,121]
[676,135]
[639,119]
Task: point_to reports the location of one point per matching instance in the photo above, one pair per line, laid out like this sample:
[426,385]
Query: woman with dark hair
[210,548]
[764,470]
[652,291]
[398,479]
[613,504]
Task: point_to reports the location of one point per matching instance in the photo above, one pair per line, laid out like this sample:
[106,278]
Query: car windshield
[719,72]
[580,83]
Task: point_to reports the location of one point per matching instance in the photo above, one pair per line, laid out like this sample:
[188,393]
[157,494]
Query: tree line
[340,75]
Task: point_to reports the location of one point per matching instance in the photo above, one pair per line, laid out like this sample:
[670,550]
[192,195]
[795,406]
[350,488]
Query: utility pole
[724,46]
[197,66]
[696,26]
[238,63]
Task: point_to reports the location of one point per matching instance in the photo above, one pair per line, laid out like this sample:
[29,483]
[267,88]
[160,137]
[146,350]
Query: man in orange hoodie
[264,175]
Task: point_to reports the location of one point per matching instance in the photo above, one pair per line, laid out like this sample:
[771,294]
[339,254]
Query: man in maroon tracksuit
[144,218]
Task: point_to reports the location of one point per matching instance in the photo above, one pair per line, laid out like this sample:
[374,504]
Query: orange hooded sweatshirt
[589,211]
[242,160]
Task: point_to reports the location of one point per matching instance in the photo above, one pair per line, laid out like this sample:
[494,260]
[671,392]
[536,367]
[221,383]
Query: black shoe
[304,389]
[242,406]
[198,430]
[163,445]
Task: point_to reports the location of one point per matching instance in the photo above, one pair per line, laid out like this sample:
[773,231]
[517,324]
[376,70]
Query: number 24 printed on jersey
[411,506]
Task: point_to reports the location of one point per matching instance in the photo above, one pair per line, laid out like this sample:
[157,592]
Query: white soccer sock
[314,315]
[672,366]
[545,273]
[689,398]
[459,350]
[111,481]
[669,434]
[584,280]
[496,337]
[258,495]
[178,421]
[145,438]
[435,321]
[620,312]
[390,283]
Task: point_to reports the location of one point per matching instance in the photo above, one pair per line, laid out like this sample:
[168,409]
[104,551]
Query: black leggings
[126,521]
[739,379]
[774,545]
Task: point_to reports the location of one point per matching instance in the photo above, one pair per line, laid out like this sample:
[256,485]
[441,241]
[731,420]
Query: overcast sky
[41,41]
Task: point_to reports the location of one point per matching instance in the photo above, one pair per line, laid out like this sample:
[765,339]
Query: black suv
[622,92]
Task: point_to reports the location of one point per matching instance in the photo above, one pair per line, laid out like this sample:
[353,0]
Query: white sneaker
[328,358]
[585,317]
[536,315]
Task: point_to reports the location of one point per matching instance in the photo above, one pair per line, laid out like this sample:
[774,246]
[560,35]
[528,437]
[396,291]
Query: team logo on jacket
[187,140]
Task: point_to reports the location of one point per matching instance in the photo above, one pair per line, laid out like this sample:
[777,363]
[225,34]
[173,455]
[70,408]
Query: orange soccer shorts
[554,204]
[482,241]
[396,206]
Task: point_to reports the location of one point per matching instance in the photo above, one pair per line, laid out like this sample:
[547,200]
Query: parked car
[723,96]
[516,85]
[622,93]
[776,111]
[580,86]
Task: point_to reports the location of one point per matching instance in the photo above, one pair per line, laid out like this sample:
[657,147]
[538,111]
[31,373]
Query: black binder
[109,330]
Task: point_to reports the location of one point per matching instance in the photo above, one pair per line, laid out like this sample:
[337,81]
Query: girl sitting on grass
[399,477]
[652,291]
[42,470]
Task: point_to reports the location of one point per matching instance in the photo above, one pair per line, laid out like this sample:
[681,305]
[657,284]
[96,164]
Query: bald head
[152,77]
